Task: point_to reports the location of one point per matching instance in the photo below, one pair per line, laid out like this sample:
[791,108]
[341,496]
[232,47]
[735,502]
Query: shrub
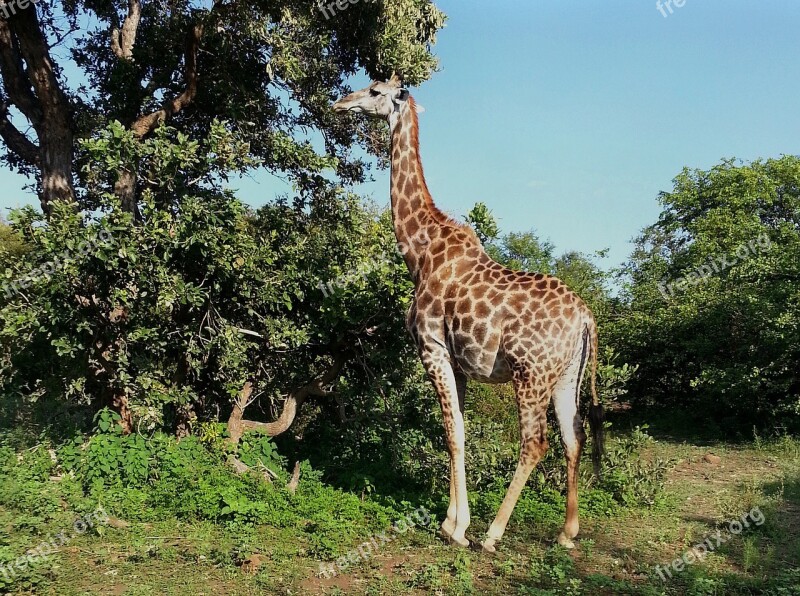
[190,479]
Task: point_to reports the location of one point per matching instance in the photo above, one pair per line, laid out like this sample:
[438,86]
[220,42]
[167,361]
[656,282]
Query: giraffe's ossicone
[473,318]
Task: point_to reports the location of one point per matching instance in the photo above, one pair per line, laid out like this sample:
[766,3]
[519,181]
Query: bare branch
[16,141]
[148,123]
[316,388]
[15,81]
[251,333]
[123,40]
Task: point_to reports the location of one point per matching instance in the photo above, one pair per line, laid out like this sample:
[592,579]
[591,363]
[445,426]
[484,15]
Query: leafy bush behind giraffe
[176,313]
[156,313]
[722,346]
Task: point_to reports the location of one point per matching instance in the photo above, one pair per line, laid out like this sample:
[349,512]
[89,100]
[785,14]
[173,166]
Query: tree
[11,244]
[130,117]
[484,223]
[713,293]
[192,311]
[267,70]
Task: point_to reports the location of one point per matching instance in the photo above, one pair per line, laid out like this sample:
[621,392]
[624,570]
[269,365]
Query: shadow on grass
[361,458]
[781,530]
[25,422]
[681,426]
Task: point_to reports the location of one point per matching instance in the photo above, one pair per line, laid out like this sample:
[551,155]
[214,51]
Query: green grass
[158,552]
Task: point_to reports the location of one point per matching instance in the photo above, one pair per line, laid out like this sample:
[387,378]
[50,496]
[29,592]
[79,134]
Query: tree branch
[32,47]
[123,40]
[43,102]
[17,142]
[146,124]
[15,81]
[316,388]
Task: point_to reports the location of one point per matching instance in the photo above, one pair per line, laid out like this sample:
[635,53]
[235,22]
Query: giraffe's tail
[596,415]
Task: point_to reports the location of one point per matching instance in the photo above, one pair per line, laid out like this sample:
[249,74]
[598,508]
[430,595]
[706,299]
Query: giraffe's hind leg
[565,401]
[449,524]
[532,401]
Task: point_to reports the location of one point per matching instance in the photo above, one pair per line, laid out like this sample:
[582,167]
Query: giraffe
[472,318]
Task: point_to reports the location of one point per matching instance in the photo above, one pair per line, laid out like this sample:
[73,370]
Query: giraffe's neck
[416,219]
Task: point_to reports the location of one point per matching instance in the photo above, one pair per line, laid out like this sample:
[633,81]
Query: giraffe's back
[495,320]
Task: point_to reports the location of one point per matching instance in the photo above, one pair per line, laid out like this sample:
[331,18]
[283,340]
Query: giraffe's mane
[438,215]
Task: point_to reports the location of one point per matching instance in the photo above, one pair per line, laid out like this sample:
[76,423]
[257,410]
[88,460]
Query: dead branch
[250,333]
[242,468]
[237,426]
[295,481]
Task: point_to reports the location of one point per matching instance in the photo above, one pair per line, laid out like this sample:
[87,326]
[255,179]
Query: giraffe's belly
[498,373]
[484,362]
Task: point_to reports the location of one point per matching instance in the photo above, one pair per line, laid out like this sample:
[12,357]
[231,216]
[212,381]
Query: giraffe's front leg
[449,524]
[437,363]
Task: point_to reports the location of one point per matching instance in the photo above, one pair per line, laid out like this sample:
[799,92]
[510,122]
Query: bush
[627,478]
[712,315]
[161,478]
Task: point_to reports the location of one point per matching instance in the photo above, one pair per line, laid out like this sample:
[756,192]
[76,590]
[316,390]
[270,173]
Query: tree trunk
[56,156]
[125,189]
[32,85]
[185,418]
[119,403]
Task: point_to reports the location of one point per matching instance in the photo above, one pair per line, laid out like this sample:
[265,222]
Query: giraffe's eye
[374,93]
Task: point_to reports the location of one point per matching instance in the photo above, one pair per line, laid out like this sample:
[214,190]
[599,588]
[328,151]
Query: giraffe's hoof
[462,542]
[488,546]
[565,542]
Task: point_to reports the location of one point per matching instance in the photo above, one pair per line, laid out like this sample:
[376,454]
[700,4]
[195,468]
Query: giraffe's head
[379,100]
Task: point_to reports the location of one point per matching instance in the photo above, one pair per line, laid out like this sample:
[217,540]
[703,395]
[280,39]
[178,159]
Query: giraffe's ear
[420,109]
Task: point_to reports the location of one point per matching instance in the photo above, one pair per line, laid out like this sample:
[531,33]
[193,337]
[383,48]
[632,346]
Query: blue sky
[569,116]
